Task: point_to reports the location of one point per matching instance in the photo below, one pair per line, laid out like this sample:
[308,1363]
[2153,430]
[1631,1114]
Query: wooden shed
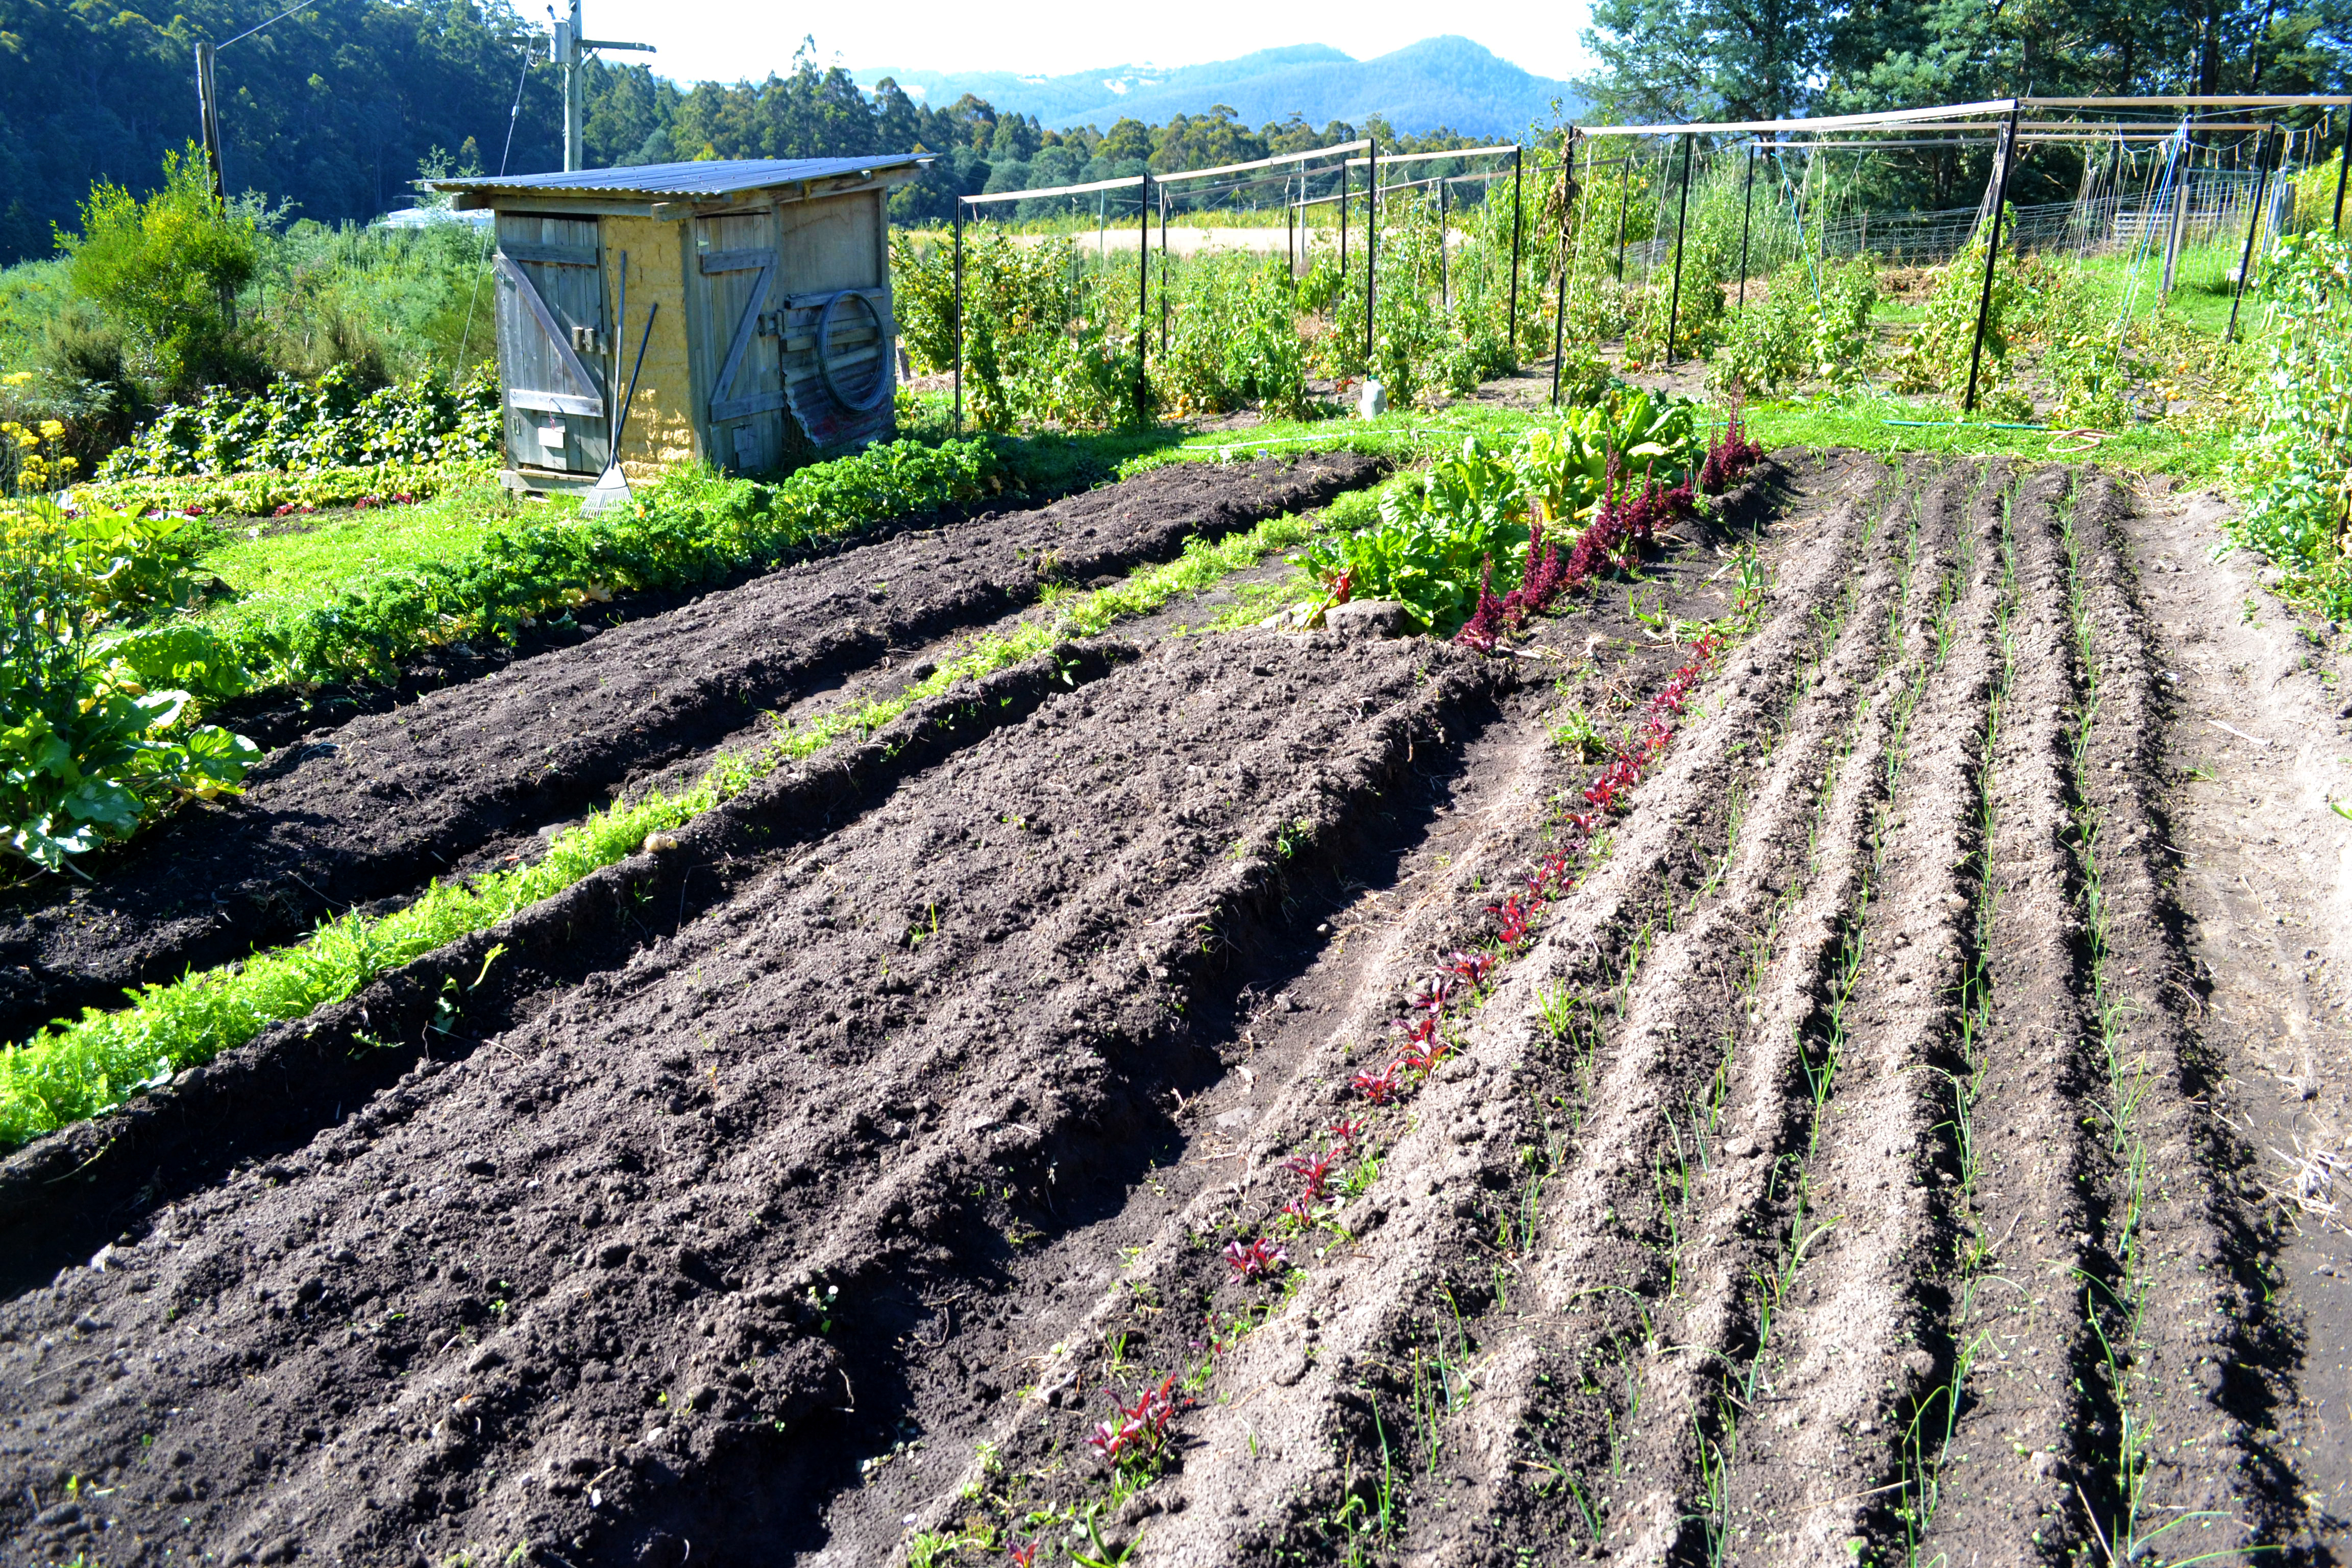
[766,287]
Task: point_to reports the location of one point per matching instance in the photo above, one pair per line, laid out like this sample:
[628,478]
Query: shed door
[554,341]
[837,330]
[735,262]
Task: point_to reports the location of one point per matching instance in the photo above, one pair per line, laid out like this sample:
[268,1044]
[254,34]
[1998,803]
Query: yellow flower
[52,430]
[16,378]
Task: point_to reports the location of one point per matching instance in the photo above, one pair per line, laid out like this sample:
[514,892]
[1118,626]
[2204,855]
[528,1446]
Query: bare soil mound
[1713,1086]
[387,801]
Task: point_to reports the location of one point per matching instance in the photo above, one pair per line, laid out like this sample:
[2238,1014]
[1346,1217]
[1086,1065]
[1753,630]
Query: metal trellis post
[1559,266]
[1143,289]
[956,323]
[1513,336]
[1993,252]
[1371,240]
[1163,269]
[2254,227]
[1681,221]
[1343,217]
[1445,285]
[2343,163]
[1625,190]
[1747,208]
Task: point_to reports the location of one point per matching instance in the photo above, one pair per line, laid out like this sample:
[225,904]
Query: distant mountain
[1447,80]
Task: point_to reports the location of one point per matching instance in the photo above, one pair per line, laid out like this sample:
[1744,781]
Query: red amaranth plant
[1022,1554]
[1137,1430]
[1514,922]
[1263,1257]
[1378,1087]
[1314,1169]
[1486,623]
[1731,453]
[1470,968]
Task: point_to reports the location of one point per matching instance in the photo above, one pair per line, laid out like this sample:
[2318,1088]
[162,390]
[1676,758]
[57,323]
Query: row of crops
[1754,275]
[1776,290]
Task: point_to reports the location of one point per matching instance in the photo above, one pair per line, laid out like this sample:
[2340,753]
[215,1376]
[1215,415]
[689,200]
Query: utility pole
[208,95]
[208,111]
[570,50]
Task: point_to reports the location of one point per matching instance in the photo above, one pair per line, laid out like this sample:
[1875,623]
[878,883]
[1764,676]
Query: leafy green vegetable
[332,422]
[87,748]
[2296,469]
[1440,533]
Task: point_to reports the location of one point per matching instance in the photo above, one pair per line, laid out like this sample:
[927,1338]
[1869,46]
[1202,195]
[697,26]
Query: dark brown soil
[388,801]
[808,1190]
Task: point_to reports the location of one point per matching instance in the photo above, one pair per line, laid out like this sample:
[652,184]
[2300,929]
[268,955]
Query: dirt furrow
[1259,1459]
[572,1280]
[1670,1429]
[1855,1306]
[1677,1006]
[2022,1432]
[393,799]
[2184,1305]
[63,1197]
[1466,1152]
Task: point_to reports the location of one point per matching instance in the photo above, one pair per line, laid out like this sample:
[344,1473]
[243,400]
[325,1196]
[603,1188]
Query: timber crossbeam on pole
[2197,100]
[1882,120]
[1274,162]
[1395,159]
[1122,182]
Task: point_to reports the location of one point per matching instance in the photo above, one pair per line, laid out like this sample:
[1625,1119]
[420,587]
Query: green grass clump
[74,1070]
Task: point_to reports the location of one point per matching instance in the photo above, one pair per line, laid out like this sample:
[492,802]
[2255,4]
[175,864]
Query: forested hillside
[330,114]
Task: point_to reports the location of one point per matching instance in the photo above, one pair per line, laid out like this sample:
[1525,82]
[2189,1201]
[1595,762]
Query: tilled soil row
[1271,1463]
[66,1196]
[2187,1299]
[391,800]
[1849,1312]
[802,1191]
[457,1317]
[1800,1366]
[2020,1227]
[1697,1109]
[1841,1328]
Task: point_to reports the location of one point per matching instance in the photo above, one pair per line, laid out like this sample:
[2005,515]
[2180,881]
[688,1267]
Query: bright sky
[701,41]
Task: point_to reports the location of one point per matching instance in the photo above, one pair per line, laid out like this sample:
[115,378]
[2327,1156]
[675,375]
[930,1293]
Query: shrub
[167,268]
[1233,339]
[1935,358]
[1791,335]
[1044,339]
[2294,467]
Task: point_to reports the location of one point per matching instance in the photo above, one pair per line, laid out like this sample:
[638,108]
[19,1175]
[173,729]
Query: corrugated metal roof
[707,178]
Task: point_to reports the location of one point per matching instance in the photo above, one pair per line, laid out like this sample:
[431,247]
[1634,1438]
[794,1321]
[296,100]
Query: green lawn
[278,576]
